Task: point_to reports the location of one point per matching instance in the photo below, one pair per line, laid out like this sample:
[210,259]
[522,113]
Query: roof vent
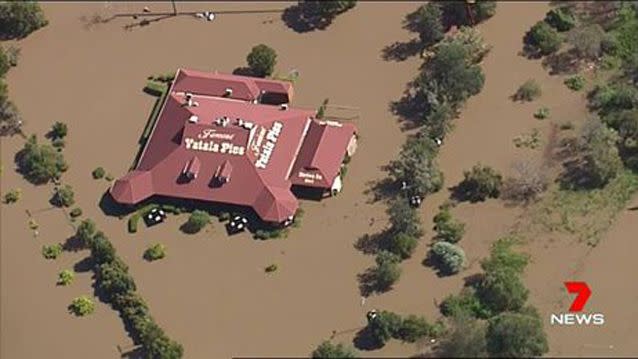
[193,119]
[284,106]
[222,121]
[228,92]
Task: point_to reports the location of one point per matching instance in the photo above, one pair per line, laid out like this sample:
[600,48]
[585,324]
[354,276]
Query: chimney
[228,92]
[193,119]
[284,106]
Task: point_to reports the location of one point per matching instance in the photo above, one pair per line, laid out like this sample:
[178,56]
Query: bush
[98,173]
[13,55]
[58,144]
[417,167]
[58,130]
[465,339]
[466,304]
[155,252]
[133,222]
[65,277]
[85,232]
[567,125]
[18,19]
[429,24]
[404,219]
[542,113]
[587,41]
[155,88]
[530,90]
[516,335]
[76,212]
[601,157]
[480,183]
[82,306]
[529,182]
[271,268]
[387,272]
[223,216]
[261,60]
[40,163]
[63,196]
[561,19]
[5,64]
[413,328]
[447,228]
[109,177]
[10,119]
[456,12]
[196,222]
[447,257]
[327,350]
[402,245]
[12,196]
[52,252]
[542,39]
[386,325]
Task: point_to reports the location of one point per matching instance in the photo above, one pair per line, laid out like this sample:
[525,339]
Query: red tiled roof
[260,144]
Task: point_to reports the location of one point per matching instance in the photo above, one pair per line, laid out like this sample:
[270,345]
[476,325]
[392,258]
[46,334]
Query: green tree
[465,339]
[480,183]
[98,173]
[530,90]
[457,11]
[155,252]
[65,277]
[402,245]
[465,304]
[327,9]
[82,306]
[196,222]
[261,60]
[404,219]
[5,64]
[63,196]
[59,130]
[12,196]
[417,167]
[587,41]
[602,160]
[10,119]
[20,18]
[561,18]
[413,328]
[542,39]
[516,335]
[384,326]
[448,228]
[113,279]
[387,271]
[85,232]
[40,163]
[327,350]
[102,249]
[428,22]
[52,251]
[449,258]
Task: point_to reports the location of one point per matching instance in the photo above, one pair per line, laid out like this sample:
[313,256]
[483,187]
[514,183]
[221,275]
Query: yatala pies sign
[211,141]
[576,316]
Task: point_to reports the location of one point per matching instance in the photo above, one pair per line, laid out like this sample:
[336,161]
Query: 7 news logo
[576,317]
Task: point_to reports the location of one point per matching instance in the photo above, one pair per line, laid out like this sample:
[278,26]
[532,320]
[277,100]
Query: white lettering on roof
[269,146]
[212,133]
[212,146]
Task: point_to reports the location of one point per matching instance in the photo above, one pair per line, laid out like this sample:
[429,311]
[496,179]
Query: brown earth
[211,293]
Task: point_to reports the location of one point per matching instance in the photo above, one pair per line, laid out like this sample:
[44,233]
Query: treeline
[114,285]
[17,20]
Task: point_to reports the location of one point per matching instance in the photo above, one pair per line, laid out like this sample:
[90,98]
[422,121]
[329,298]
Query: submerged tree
[20,18]
[327,350]
[516,335]
[261,60]
[40,163]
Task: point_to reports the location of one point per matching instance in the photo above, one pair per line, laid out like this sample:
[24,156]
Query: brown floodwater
[211,292]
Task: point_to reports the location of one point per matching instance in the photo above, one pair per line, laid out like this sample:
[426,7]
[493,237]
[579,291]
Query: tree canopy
[261,60]
[327,350]
[40,163]
[20,18]
[516,335]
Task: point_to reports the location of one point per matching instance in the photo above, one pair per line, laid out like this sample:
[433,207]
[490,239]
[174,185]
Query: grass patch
[152,88]
[585,213]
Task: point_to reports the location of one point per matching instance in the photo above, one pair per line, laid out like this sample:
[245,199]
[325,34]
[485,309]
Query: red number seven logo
[583,295]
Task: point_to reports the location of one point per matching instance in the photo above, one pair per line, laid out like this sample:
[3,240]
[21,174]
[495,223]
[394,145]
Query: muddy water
[211,293]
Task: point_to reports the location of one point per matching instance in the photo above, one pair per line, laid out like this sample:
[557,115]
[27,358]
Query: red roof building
[217,139]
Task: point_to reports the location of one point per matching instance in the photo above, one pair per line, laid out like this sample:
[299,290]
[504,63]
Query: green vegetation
[428,23]
[63,196]
[516,335]
[480,183]
[20,18]
[448,258]
[58,130]
[561,19]
[82,306]
[12,196]
[542,113]
[387,325]
[155,252]
[456,12]
[387,272]
[587,41]
[530,140]
[196,222]
[321,112]
[530,90]
[465,339]
[58,143]
[261,60]
[133,221]
[75,212]
[10,119]
[448,228]
[155,88]
[98,173]
[52,251]
[65,277]
[417,167]
[542,39]
[271,268]
[327,350]
[40,163]
[118,288]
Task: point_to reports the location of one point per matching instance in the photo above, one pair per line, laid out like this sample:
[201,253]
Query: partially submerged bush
[387,271]
[575,83]
[447,257]
[20,18]
[52,251]
[133,222]
[59,130]
[480,183]
[196,222]
[65,277]
[98,173]
[76,212]
[542,39]
[40,163]
[63,196]
[327,350]
[530,90]
[529,182]
[542,113]
[82,306]
[12,196]
[448,228]
[155,252]
[261,60]
[271,268]
[561,19]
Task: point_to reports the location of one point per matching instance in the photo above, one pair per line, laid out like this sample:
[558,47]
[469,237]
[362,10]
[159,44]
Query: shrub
[464,304]
[40,163]
[530,90]
[271,268]
[112,279]
[98,173]
[82,306]
[542,39]
[529,182]
[561,19]
[52,251]
[321,112]
[58,144]
[10,119]
[429,24]
[13,55]
[85,232]
[575,83]
[155,88]
[602,160]
[567,125]
[516,335]
[542,113]
[18,19]
[404,219]
[12,196]
[63,196]
[133,222]
[196,222]
[480,183]
[465,339]
[456,12]
[155,252]
[587,41]
[387,271]
[448,258]
[447,228]
[327,350]
[417,167]
[76,212]
[402,245]
[59,130]
[386,325]
[224,216]
[109,177]
[65,277]
[261,60]
[413,328]
[5,65]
